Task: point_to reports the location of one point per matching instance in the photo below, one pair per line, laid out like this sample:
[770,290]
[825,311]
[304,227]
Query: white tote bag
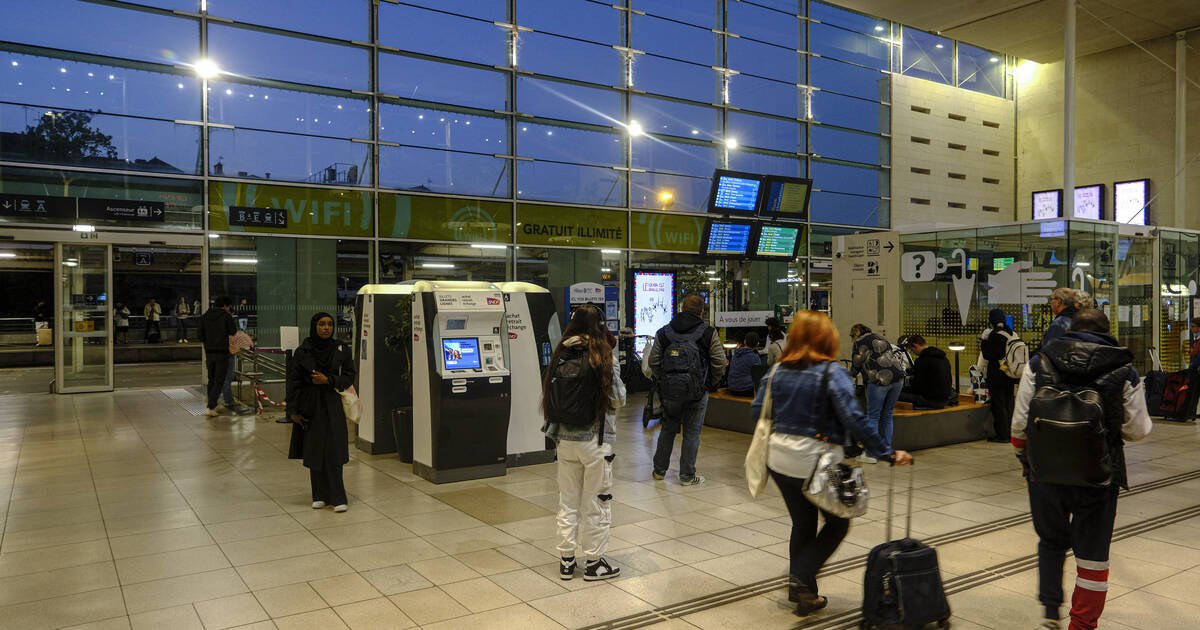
[351,404]
[756,455]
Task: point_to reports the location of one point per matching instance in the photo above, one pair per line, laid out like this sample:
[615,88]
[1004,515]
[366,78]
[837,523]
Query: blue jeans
[691,422]
[881,399]
[227,393]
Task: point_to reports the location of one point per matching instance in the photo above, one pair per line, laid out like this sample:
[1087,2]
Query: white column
[1069,111]
[1180,130]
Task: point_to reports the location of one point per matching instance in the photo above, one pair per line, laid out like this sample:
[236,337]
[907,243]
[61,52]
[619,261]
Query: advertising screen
[461,354]
[786,197]
[998,264]
[726,238]
[776,242]
[1129,201]
[1047,204]
[653,303]
[1089,202]
[734,192]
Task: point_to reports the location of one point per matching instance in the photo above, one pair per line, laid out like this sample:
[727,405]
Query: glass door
[83,350]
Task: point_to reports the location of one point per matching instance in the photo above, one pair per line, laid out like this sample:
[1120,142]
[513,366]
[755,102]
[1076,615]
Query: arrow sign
[964,287]
[889,246]
[1081,276]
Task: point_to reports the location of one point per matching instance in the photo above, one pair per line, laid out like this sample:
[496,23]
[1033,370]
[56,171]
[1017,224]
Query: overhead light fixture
[994,59]
[70,263]
[83,227]
[7,255]
[938,46]
[611,252]
[711,272]
[957,346]
[482,246]
[206,68]
[634,128]
[605,270]
[438,265]
[665,195]
[240,261]
[731,143]
[1083,264]
[878,28]
[214,236]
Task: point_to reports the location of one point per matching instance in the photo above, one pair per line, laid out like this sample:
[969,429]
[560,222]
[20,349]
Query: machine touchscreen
[461,354]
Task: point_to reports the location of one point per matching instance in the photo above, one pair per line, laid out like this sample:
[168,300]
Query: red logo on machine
[493,301]
[512,335]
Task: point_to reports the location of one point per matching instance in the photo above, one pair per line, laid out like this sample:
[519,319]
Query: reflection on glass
[849,79]
[552,181]
[662,116]
[659,75]
[424,31]
[838,43]
[294,111]
[684,158]
[430,261]
[751,161]
[848,19]
[129,34]
[568,58]
[267,55]
[766,132]
[928,56]
[570,144]
[565,101]
[183,199]
[345,19]
[429,170]
[660,191]
[443,129]
[423,80]
[83,331]
[286,157]
[980,70]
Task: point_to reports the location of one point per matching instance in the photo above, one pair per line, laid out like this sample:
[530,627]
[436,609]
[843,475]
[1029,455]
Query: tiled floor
[125,510]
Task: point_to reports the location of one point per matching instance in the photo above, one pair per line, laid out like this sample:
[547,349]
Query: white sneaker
[864,459]
[341,508]
[211,412]
[318,505]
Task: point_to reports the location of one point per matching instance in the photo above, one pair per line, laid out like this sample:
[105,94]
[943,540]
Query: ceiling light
[482,246]
[62,69]
[70,263]
[711,272]
[605,270]
[957,346]
[634,128]
[994,59]
[437,265]
[206,68]
[83,227]
[1083,264]
[731,143]
[15,64]
[214,236]
[665,196]
[611,252]
[878,29]
[695,132]
[938,46]
[240,261]
[7,255]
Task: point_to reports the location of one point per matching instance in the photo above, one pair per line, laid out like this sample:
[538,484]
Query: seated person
[932,386]
[745,357]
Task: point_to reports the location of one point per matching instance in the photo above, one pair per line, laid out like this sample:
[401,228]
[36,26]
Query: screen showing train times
[786,198]
[776,242]
[728,238]
[735,192]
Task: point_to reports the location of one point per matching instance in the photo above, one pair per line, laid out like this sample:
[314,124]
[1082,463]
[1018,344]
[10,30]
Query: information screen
[786,198]
[727,238]
[734,192]
[777,242]
[461,354]
[998,264]
[1129,201]
[1047,204]
[1089,202]
[653,304]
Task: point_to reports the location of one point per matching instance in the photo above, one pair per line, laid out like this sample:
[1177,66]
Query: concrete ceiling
[1033,29]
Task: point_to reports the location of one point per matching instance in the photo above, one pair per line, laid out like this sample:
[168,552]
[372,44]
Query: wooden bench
[912,429]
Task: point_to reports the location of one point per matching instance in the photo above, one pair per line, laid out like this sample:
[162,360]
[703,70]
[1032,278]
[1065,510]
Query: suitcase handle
[908,512]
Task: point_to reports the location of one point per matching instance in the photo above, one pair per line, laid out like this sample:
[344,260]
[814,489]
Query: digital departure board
[785,197]
[727,238]
[734,193]
[776,242]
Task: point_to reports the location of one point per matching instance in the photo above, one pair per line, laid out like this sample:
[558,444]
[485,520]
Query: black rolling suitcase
[902,589]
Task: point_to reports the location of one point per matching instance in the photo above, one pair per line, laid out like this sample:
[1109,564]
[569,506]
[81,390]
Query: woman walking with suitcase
[808,379]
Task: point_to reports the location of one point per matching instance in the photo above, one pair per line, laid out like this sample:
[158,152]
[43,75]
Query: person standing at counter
[320,369]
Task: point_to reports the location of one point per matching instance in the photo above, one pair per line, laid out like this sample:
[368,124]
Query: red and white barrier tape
[264,400]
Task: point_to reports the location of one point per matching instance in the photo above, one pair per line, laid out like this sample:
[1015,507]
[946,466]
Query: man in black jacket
[216,326]
[932,384]
[1062,304]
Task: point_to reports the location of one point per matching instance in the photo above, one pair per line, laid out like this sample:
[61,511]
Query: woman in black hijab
[320,369]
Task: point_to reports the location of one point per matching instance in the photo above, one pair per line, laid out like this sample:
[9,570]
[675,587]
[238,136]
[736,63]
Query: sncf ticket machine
[462,390]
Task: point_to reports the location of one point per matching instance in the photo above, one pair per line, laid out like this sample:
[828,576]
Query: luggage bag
[902,588]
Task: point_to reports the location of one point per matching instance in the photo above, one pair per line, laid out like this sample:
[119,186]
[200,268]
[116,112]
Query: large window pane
[764,95]
[831,41]
[292,111]
[267,55]
[36,134]
[70,84]
[850,179]
[125,33]
[287,157]
[980,70]
[439,129]
[847,111]
[793,7]
[766,60]
[655,154]
[848,19]
[670,192]
[419,79]
[675,40]
[430,170]
[658,75]
[672,118]
[565,101]
[345,19]
[845,78]
[570,144]
[751,161]
[750,20]
[491,10]
[425,31]
[583,19]
[765,132]
[850,145]
[703,13]
[928,56]
[553,181]
[183,199]
[569,58]
[827,207]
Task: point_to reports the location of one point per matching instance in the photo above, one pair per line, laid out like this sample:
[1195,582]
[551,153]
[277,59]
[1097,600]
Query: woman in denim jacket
[798,441]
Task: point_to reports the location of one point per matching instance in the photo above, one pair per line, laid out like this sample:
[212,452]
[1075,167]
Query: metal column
[1069,111]
[1181,161]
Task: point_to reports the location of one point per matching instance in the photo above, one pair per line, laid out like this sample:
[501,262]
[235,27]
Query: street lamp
[957,347]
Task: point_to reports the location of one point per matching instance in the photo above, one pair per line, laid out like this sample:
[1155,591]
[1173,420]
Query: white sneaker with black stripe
[599,570]
[566,568]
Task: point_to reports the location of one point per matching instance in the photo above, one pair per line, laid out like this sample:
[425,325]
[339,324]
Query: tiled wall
[952,156]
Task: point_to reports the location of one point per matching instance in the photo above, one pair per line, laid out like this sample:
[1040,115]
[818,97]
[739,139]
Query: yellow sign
[564,225]
[442,219]
[666,232]
[316,211]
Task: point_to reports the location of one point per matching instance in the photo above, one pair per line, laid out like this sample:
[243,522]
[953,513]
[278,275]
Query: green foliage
[67,137]
[400,339]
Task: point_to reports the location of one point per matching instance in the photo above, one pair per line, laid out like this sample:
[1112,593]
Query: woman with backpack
[807,381]
[1002,378]
[579,397]
[884,368]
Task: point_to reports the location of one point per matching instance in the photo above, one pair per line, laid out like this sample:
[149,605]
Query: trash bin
[402,430]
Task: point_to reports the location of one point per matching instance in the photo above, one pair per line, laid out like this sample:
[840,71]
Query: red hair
[811,338]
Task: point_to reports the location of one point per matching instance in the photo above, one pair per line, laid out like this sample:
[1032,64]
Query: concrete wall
[1125,126]
[952,157]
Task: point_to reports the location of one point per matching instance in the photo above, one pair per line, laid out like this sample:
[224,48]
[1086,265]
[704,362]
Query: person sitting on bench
[932,386]
[745,357]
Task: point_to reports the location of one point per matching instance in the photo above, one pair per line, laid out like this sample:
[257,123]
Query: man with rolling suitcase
[1078,401]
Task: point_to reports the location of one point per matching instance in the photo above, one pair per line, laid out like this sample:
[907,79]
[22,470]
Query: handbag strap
[768,410]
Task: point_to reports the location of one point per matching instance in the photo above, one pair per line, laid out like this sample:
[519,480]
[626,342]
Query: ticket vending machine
[383,349]
[462,389]
[533,333]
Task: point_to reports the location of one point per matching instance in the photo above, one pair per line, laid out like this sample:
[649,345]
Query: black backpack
[572,389]
[1068,440]
[684,370]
